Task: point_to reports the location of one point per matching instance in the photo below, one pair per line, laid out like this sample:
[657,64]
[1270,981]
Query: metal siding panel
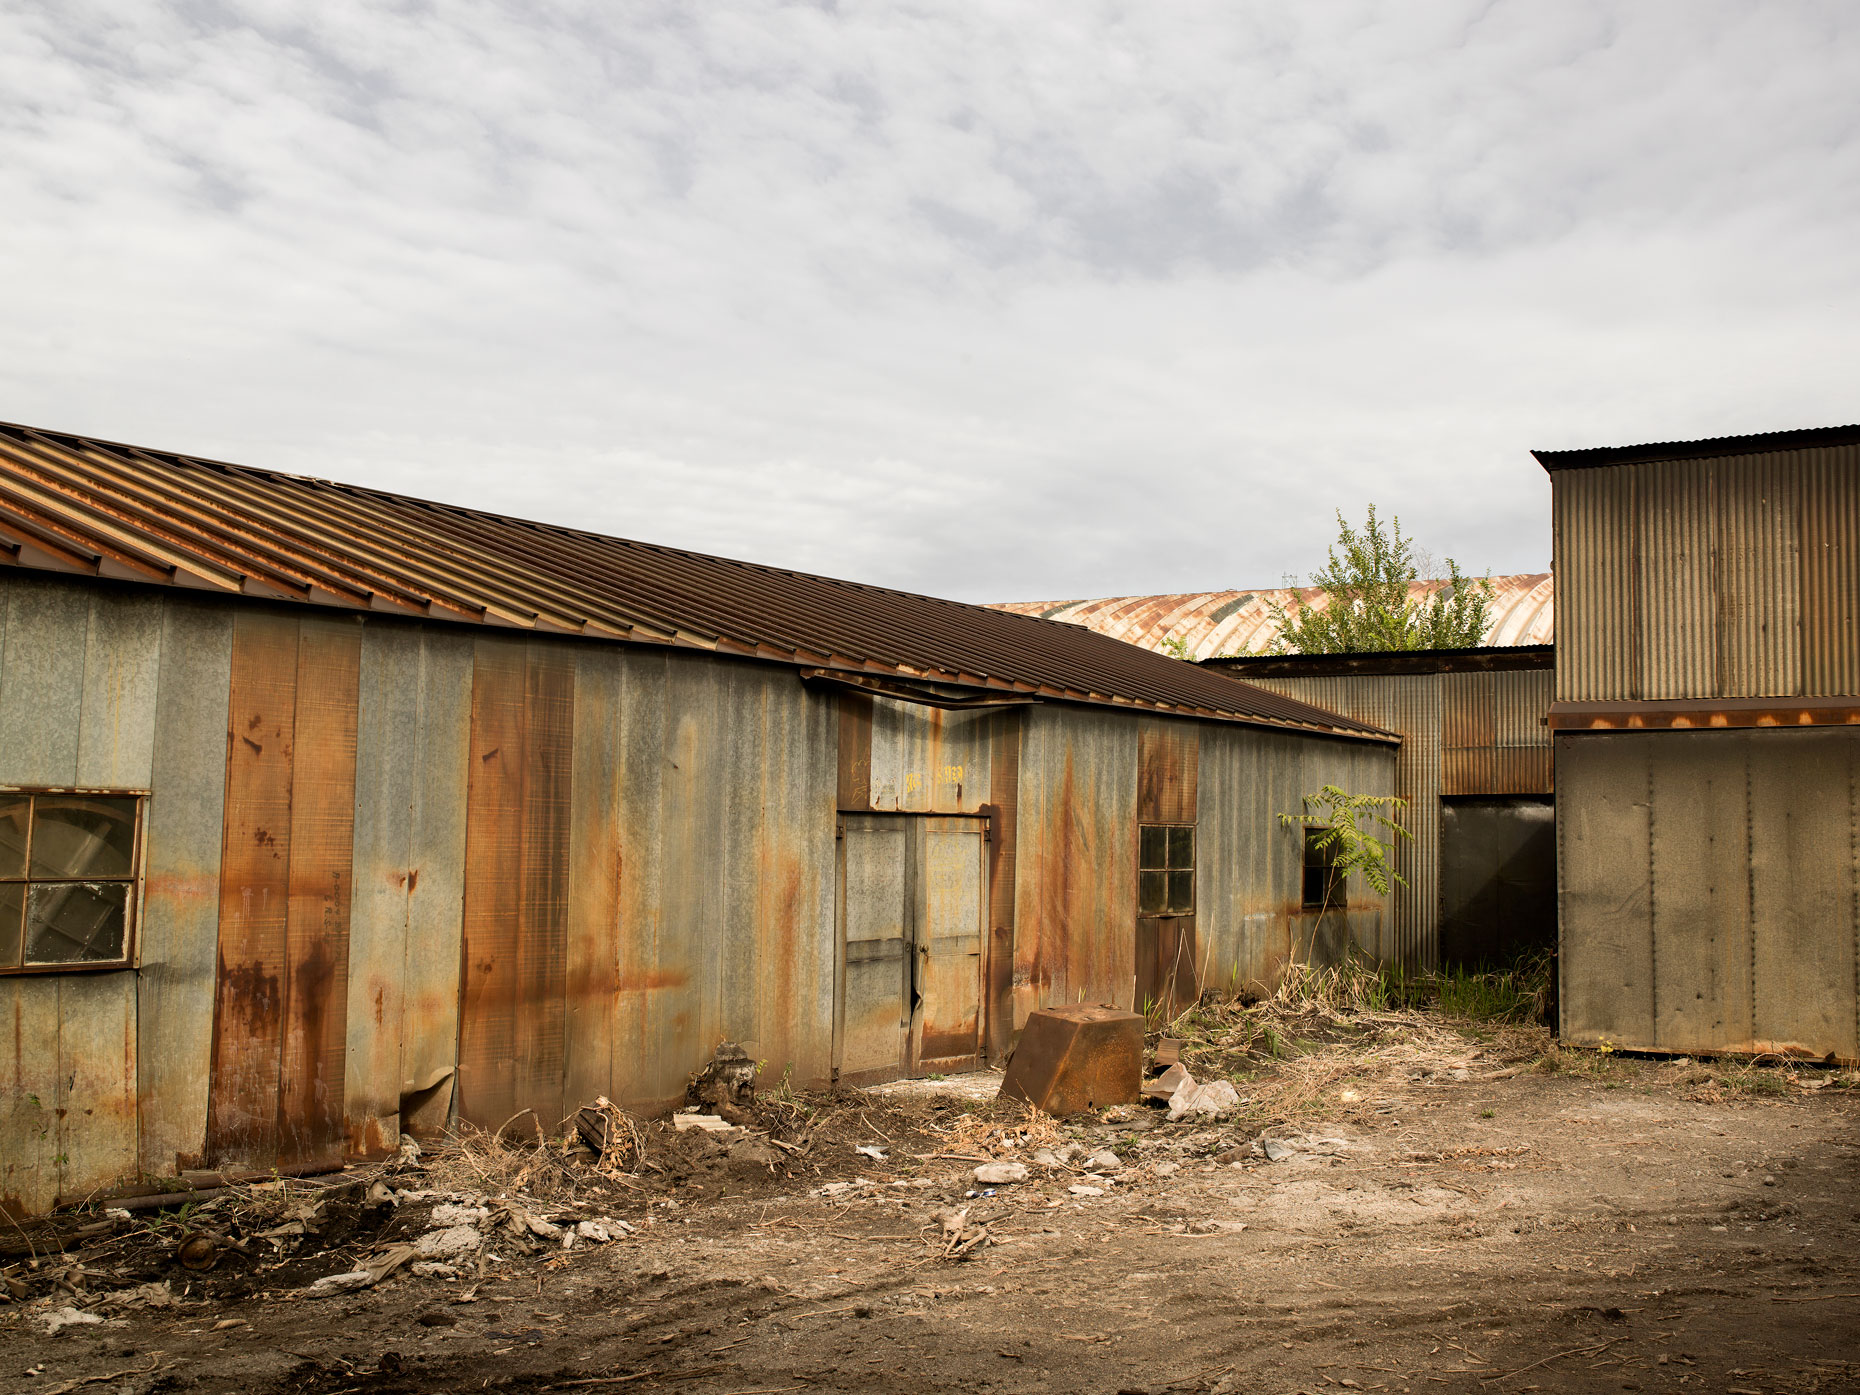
[1605,926]
[491,986]
[122,658]
[928,759]
[255,884]
[1759,578]
[96,1050]
[690,937]
[29,1101]
[1168,771]
[1003,873]
[386,749]
[322,841]
[854,787]
[1675,580]
[1700,899]
[42,681]
[1076,861]
[178,934]
[645,1072]
[743,743]
[1829,483]
[595,857]
[1593,531]
[436,883]
[794,905]
[542,945]
[1802,889]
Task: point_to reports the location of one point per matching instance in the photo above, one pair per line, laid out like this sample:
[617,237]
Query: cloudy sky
[997,301]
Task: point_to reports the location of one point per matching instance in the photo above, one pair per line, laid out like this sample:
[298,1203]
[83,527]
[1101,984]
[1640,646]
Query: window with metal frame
[68,863]
[1165,869]
[1322,884]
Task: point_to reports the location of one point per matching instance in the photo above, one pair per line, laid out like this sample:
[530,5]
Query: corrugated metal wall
[398,873]
[1728,578]
[1249,882]
[1462,734]
[1709,890]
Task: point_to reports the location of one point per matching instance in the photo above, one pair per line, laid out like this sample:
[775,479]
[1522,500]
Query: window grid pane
[83,836]
[1181,848]
[76,922]
[1152,846]
[15,809]
[12,912]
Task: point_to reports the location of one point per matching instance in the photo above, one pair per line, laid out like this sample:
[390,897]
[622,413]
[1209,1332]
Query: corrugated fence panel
[1596,642]
[255,883]
[1675,580]
[684,998]
[1759,578]
[1829,514]
[1076,861]
[179,931]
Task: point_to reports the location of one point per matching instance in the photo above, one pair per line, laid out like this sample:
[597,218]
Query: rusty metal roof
[1210,624]
[97,508]
[1810,438]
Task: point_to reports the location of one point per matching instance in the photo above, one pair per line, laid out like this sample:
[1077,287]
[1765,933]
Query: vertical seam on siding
[1750,891]
[1653,938]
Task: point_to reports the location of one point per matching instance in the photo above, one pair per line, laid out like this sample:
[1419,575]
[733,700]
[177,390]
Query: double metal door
[912,909]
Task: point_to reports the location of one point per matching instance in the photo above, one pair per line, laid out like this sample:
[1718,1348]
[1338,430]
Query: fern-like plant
[1349,829]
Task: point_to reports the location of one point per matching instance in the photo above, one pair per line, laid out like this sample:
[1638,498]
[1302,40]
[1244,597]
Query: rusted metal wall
[77,697]
[1076,860]
[1462,734]
[1249,882]
[1729,577]
[400,873]
[1709,890]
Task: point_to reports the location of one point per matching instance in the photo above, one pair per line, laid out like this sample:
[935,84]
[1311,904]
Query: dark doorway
[1497,880]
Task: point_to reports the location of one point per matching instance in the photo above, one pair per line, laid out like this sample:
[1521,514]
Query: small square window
[1322,888]
[67,879]
[1165,869]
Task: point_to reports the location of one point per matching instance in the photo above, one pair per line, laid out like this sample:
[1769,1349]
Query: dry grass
[978,1134]
[520,1157]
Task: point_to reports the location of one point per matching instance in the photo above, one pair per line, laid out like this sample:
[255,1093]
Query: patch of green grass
[1487,1114]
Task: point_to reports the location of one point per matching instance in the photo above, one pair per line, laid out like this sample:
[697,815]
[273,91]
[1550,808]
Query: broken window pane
[13,809]
[79,835]
[12,906]
[76,922]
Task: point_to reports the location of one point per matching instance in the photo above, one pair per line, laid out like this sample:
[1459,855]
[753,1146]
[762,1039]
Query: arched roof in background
[1241,622]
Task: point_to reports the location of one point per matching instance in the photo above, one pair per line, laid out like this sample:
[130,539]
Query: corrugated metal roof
[1760,444]
[1212,623]
[96,508]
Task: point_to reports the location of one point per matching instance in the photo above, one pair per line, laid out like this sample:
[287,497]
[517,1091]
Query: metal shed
[1475,768]
[1707,721]
[328,814]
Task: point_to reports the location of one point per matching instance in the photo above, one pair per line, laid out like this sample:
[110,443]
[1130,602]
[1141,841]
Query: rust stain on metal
[311,1076]
[1168,765]
[1690,714]
[1003,834]
[1070,1059]
[242,1111]
[855,752]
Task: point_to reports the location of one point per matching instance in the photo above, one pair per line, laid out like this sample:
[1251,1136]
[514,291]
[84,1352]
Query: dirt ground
[1476,1216]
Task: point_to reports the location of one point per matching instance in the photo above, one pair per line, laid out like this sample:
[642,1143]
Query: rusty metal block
[1070,1059]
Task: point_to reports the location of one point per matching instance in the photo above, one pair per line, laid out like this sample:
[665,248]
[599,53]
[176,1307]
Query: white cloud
[1035,300]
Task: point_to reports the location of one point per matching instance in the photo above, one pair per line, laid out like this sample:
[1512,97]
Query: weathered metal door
[912,893]
[949,884]
[1497,880]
